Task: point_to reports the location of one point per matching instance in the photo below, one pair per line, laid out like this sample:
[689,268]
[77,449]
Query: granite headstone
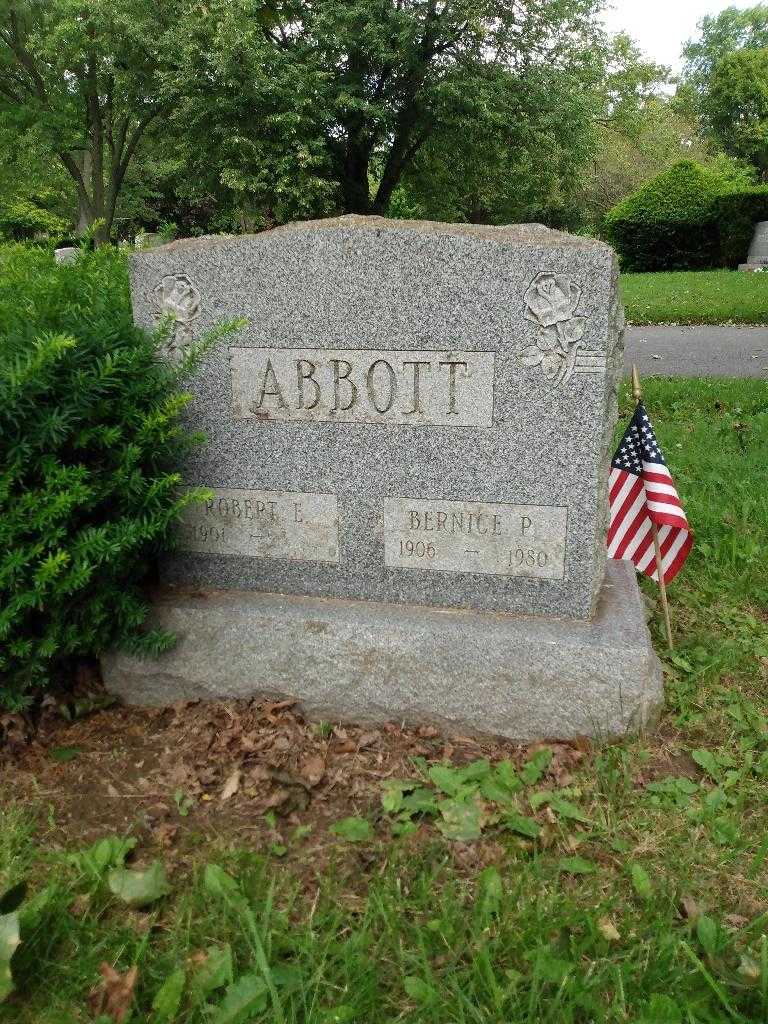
[413,430]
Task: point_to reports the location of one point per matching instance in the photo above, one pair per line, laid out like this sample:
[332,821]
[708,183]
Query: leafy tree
[92,76]
[522,155]
[627,156]
[36,194]
[720,35]
[336,108]
[736,106]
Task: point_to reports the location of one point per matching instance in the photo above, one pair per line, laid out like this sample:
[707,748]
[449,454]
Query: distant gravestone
[408,447]
[757,259]
[66,254]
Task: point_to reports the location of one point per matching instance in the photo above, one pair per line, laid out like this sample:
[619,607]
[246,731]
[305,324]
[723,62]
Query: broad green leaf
[641,882]
[106,853]
[576,866]
[569,810]
[214,972]
[168,998]
[537,800]
[342,1014]
[139,888]
[9,942]
[493,789]
[354,830]
[394,792]
[404,828]
[475,771]
[219,883]
[706,759]
[242,1001]
[490,892]
[420,801]
[533,769]
[392,799]
[706,933]
[64,754]
[523,825]
[419,990]
[461,819]
[447,779]
[506,773]
[31,912]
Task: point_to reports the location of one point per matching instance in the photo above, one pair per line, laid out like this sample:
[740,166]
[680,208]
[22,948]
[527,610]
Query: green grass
[648,905]
[700,297]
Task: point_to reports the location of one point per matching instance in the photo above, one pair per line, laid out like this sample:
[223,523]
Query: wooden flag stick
[638,394]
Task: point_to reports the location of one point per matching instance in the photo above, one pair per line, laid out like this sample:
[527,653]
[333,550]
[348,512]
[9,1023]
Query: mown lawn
[701,297]
[631,886]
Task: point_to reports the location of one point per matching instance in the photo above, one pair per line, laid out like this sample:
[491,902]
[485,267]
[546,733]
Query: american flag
[641,492]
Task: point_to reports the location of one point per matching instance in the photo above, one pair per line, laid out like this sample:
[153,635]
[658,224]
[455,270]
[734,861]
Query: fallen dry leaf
[313,769]
[608,929]
[736,920]
[690,909]
[165,833]
[80,905]
[232,785]
[113,997]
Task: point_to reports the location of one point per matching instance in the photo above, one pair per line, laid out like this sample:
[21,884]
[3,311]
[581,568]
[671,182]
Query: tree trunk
[354,177]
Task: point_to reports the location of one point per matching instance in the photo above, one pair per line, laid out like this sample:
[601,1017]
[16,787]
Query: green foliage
[20,218]
[669,224]
[90,82]
[736,106]
[736,214]
[90,442]
[720,35]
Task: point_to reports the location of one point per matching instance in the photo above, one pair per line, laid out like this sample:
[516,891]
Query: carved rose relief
[551,302]
[176,295]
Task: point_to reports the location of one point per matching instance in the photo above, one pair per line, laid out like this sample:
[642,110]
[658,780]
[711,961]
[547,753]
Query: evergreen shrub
[669,223]
[20,218]
[90,445]
[736,214]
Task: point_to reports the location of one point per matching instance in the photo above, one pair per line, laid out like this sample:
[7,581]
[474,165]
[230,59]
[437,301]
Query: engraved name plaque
[293,525]
[350,386]
[477,537]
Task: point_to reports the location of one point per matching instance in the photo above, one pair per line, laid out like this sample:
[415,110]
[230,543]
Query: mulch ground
[215,770]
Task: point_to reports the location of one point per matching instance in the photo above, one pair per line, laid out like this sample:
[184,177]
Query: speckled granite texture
[369,283]
[463,671]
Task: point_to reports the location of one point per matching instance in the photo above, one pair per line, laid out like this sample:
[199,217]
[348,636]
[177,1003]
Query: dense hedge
[90,441]
[736,214]
[20,218]
[669,223]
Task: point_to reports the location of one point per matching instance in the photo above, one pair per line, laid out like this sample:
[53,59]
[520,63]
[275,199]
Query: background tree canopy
[235,115]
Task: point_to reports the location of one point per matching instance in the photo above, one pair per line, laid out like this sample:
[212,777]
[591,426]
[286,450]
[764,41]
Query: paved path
[698,351]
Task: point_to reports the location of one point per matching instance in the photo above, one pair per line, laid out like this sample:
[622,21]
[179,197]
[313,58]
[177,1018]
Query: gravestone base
[753,268]
[463,671]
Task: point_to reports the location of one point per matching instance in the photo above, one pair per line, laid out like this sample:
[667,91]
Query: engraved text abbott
[351,386]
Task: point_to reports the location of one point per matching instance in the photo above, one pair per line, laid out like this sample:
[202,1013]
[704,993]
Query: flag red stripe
[671,571]
[619,514]
[629,536]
